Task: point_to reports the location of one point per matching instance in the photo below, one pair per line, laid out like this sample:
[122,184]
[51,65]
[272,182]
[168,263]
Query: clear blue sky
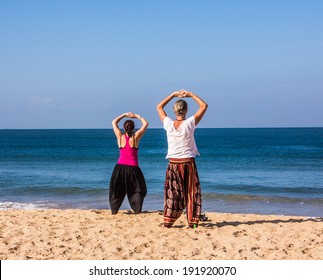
[78,64]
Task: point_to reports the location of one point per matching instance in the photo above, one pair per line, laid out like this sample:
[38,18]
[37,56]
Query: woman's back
[181,142]
[128,151]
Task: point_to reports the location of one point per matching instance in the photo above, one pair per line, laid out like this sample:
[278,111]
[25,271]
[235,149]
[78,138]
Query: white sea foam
[26,206]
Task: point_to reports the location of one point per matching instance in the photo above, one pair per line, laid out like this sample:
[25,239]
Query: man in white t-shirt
[182,186]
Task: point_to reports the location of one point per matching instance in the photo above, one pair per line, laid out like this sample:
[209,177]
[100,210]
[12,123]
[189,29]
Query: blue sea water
[256,170]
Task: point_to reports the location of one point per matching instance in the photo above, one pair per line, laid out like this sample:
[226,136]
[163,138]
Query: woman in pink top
[127,177]
[182,186]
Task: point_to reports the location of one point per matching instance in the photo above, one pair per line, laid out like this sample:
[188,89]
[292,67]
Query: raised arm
[160,107]
[115,126]
[141,131]
[202,105]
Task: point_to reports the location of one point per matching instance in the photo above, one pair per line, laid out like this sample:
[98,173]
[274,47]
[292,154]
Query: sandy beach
[96,234]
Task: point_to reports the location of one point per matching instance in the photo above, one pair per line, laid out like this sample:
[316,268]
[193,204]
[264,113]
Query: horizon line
[98,128]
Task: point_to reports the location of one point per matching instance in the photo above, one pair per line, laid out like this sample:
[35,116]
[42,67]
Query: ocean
[242,170]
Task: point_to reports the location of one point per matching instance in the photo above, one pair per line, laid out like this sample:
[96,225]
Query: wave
[241,198]
[59,191]
[9,205]
[259,189]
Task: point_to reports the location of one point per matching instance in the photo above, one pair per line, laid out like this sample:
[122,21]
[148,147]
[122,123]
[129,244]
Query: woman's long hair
[129,127]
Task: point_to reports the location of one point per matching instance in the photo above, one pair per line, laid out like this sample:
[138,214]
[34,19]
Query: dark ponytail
[129,127]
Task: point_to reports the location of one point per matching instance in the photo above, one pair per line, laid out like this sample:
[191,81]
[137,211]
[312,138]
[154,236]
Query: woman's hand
[130,115]
[175,94]
[184,93]
[133,115]
[180,93]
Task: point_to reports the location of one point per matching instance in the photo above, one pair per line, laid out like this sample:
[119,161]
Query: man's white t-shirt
[181,142]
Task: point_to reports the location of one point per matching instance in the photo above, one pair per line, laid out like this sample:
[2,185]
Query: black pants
[127,180]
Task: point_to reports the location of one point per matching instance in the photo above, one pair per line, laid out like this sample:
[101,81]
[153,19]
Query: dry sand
[96,234]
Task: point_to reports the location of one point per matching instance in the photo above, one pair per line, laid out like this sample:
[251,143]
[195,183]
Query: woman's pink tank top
[128,155]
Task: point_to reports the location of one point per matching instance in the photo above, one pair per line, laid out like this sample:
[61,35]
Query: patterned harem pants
[182,190]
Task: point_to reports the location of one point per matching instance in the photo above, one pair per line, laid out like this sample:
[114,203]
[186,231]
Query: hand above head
[130,115]
[175,94]
[184,93]
[180,93]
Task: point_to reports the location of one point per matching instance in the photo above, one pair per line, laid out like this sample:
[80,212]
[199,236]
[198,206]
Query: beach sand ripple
[96,234]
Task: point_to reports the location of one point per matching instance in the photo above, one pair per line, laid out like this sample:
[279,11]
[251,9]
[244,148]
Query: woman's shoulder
[167,122]
[190,122]
[167,119]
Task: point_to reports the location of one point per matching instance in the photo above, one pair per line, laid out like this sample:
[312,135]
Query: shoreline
[149,206]
[75,234]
